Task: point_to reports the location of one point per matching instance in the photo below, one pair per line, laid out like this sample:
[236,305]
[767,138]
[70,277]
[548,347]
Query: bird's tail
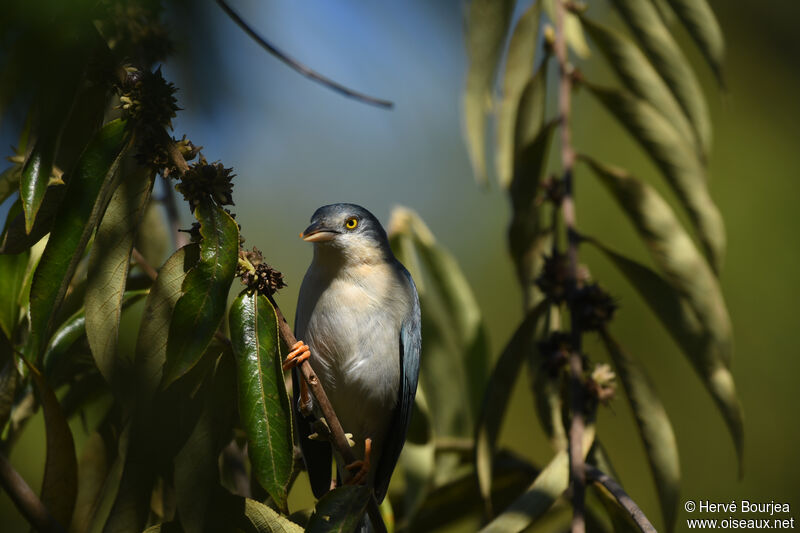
[366,525]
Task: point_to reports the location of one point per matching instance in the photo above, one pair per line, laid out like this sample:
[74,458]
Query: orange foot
[300,352]
[362,466]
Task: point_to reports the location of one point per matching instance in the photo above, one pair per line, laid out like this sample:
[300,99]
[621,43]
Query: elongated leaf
[204,293]
[703,347]
[449,311]
[196,475]
[109,262]
[518,69]
[14,239]
[639,76]
[86,197]
[36,176]
[699,19]
[70,332]
[264,406]
[495,400]
[529,119]
[60,483]
[9,380]
[9,182]
[262,519]
[654,426]
[340,510]
[536,500]
[151,343]
[487,25]
[676,160]
[419,456]
[94,466]
[12,278]
[153,238]
[102,506]
[648,28]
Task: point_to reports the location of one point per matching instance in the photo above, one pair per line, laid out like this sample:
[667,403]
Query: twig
[577,425]
[598,476]
[144,265]
[25,499]
[299,67]
[337,433]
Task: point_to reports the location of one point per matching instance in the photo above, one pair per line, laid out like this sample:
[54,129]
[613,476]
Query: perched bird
[358,312]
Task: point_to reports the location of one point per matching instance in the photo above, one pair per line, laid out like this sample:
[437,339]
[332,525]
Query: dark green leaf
[529,119]
[536,500]
[94,464]
[12,280]
[487,25]
[648,28]
[14,239]
[196,474]
[699,19]
[340,510]
[109,262]
[9,381]
[705,349]
[101,507]
[654,426]
[678,163]
[87,194]
[264,406]
[60,483]
[9,182]
[36,176]
[519,65]
[204,293]
[639,76]
[498,392]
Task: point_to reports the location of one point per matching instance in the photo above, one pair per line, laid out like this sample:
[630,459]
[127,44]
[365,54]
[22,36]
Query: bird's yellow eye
[351,223]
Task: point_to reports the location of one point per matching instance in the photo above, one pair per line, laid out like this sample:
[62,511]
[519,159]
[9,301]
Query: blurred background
[295,146]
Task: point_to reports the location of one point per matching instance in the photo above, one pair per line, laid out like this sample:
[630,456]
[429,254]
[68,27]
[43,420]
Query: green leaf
[495,400]
[706,349]
[101,507]
[36,176]
[573,32]
[10,379]
[60,483]
[69,333]
[677,162]
[94,466]
[529,119]
[340,510]
[12,279]
[536,500]
[151,343]
[637,73]
[153,238]
[699,19]
[262,519]
[654,426]
[204,293]
[86,196]
[14,239]
[648,28]
[107,275]
[9,182]
[419,457]
[487,25]
[518,69]
[264,406]
[196,474]
[452,323]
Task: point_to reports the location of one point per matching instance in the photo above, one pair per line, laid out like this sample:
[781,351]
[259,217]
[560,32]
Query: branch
[596,475]
[299,67]
[577,425]
[25,499]
[339,440]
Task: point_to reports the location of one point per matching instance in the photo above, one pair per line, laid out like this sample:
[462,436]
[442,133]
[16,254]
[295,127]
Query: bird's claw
[299,353]
[362,467]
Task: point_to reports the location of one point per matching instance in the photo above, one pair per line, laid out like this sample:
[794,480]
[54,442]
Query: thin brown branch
[596,475]
[578,423]
[299,67]
[26,501]
[338,438]
[144,265]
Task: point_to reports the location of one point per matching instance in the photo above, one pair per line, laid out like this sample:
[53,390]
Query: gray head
[348,230]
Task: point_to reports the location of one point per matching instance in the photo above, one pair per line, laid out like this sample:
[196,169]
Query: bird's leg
[362,466]
[300,352]
[305,404]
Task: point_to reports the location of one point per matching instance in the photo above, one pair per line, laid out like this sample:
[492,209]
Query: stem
[338,438]
[25,499]
[596,475]
[144,265]
[577,425]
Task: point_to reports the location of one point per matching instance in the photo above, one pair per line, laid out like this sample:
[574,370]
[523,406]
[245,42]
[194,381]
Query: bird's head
[347,231]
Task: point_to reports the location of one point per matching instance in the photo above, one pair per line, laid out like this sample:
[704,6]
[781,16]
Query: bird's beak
[317,232]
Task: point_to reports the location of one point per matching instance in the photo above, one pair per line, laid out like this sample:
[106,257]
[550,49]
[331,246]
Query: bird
[358,321]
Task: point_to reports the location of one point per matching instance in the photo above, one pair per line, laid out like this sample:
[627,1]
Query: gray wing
[410,346]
